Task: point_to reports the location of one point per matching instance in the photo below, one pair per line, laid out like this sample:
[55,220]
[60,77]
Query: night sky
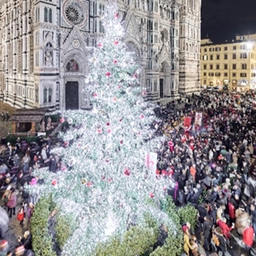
[224,19]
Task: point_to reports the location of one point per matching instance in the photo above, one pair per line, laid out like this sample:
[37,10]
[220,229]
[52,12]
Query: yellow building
[229,65]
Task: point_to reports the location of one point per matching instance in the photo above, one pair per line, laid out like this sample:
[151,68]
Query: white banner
[198,119]
[151,162]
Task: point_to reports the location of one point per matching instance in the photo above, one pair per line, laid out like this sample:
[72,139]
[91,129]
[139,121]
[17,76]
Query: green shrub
[65,226]
[138,240]
[112,247]
[188,213]
[173,246]
[42,241]
[171,209]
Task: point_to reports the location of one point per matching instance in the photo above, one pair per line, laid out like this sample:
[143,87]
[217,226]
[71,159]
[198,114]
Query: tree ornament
[62,120]
[121,142]
[116,42]
[84,181]
[116,15]
[142,116]
[88,184]
[100,45]
[151,195]
[66,143]
[95,95]
[108,74]
[114,61]
[70,120]
[54,182]
[99,131]
[109,131]
[114,99]
[127,172]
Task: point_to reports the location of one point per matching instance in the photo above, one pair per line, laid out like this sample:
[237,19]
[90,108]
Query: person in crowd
[12,202]
[4,245]
[26,240]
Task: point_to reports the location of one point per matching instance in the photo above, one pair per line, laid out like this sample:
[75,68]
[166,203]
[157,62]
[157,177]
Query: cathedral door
[72,95]
[161,88]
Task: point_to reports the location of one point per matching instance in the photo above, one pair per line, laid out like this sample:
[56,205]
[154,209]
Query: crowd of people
[213,167]
[16,169]
[211,164]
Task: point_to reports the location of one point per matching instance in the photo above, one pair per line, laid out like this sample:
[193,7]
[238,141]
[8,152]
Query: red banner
[187,121]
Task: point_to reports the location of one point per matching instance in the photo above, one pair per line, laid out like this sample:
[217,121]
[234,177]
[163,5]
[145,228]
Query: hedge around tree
[41,239]
[138,240]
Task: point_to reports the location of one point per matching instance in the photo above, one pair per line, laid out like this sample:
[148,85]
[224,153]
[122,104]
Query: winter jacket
[248,236]
[231,210]
[12,202]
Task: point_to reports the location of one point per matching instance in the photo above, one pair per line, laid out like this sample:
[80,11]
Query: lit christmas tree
[106,181]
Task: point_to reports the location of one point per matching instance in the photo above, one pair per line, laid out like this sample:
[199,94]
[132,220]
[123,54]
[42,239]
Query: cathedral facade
[44,48]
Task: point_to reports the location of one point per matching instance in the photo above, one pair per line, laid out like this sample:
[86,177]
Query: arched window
[45,95]
[50,95]
[50,15]
[72,66]
[45,14]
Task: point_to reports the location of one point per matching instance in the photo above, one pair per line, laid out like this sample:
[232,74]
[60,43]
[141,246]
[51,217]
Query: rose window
[74,14]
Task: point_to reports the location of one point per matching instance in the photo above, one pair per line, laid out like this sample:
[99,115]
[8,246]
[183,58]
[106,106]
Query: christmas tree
[106,181]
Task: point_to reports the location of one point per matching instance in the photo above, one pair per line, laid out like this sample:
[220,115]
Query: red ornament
[108,123]
[110,180]
[116,42]
[95,94]
[144,93]
[100,45]
[121,142]
[119,86]
[103,177]
[114,99]
[109,131]
[135,76]
[108,74]
[65,143]
[63,168]
[99,131]
[116,15]
[88,184]
[142,116]
[114,61]
[54,182]
[151,195]
[62,120]
[127,172]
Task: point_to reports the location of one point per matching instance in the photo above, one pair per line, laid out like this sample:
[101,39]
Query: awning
[28,115]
